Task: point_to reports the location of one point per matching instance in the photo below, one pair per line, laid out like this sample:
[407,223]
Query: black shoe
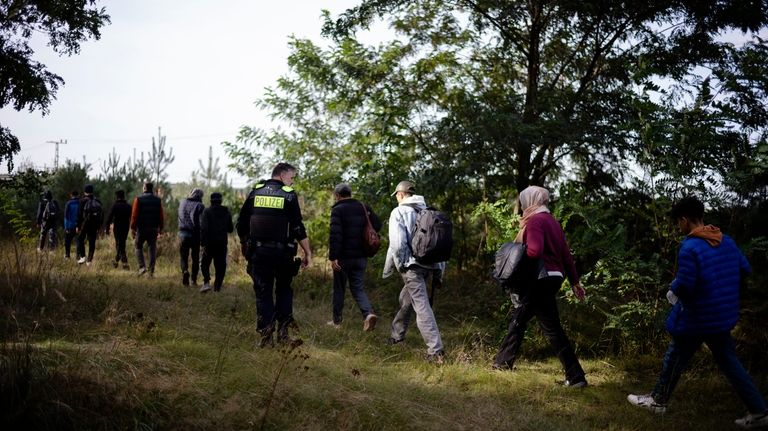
[282,331]
[501,367]
[185,278]
[437,358]
[266,336]
[114,264]
[391,341]
[576,383]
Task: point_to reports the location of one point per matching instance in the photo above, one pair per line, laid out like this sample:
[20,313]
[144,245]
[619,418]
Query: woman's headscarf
[196,195]
[532,200]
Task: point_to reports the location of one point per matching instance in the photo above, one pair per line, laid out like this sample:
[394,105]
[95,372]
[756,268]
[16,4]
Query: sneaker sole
[370,323]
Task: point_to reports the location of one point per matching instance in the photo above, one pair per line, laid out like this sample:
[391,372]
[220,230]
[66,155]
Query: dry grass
[99,348]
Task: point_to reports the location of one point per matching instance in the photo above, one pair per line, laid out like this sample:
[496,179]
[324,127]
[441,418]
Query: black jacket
[271,213]
[215,225]
[120,216]
[347,223]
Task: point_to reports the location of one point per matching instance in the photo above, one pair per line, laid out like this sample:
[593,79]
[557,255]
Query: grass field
[100,348]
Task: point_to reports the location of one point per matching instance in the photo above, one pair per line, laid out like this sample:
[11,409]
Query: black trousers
[90,233]
[47,235]
[190,245]
[121,238]
[69,235]
[538,300]
[216,253]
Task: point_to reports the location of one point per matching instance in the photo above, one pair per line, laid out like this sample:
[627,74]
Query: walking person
[705,308]
[413,296]
[147,219]
[269,226]
[90,217]
[47,216]
[548,252]
[190,210]
[215,227]
[71,210]
[119,218]
[349,218]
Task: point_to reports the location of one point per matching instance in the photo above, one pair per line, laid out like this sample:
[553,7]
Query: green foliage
[25,83]
[19,196]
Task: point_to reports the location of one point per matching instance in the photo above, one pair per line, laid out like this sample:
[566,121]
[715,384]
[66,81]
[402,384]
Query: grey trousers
[414,297]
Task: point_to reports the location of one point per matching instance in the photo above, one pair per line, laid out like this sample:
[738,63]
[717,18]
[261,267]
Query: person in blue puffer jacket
[70,221]
[705,308]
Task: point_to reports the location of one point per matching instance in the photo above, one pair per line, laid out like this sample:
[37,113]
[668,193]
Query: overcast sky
[192,67]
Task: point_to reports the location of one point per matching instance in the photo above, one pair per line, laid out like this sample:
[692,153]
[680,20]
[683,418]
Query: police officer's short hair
[282,168]
[343,190]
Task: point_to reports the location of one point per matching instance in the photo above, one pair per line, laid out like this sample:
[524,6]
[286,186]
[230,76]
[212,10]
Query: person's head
[688,213]
[48,195]
[120,194]
[88,189]
[403,190]
[533,196]
[74,194]
[342,191]
[284,172]
[195,194]
[216,198]
[148,187]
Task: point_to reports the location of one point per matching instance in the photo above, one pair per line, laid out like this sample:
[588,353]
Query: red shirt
[545,240]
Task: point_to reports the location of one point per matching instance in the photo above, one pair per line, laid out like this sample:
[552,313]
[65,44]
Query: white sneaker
[753,420]
[81,261]
[370,322]
[206,287]
[646,402]
[88,263]
[333,324]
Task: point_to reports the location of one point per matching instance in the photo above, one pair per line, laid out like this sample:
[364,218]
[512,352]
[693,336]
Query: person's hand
[579,291]
[671,297]
[306,261]
[335,265]
[244,249]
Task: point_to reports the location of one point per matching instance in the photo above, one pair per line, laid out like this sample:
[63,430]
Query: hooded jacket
[707,285]
[402,221]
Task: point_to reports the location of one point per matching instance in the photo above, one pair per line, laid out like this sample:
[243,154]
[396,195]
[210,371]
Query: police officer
[269,225]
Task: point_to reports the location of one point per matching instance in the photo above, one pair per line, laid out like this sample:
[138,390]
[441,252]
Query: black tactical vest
[269,218]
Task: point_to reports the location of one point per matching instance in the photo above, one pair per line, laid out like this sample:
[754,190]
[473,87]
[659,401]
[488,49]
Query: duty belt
[273,244]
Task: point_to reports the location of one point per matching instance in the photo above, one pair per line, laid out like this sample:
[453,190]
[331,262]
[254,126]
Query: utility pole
[56,158]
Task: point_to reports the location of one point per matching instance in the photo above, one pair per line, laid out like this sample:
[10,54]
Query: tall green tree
[24,82]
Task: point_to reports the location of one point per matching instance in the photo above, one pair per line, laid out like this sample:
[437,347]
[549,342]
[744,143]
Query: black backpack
[51,211]
[432,237]
[93,213]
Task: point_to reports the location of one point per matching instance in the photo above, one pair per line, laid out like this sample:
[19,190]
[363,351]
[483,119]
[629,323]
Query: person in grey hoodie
[414,295]
[190,210]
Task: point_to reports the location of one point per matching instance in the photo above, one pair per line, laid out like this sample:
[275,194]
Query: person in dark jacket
[47,216]
[190,210]
[120,218]
[545,244]
[348,258]
[90,216]
[705,308]
[147,219]
[215,227]
[71,210]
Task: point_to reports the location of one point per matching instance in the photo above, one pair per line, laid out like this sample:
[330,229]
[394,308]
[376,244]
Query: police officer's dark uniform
[270,222]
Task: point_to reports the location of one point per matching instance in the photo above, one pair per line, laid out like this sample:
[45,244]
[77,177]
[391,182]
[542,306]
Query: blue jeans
[352,270]
[682,349]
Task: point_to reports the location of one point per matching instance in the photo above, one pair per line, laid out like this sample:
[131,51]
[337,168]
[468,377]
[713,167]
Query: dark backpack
[93,213]
[51,211]
[432,237]
[512,266]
